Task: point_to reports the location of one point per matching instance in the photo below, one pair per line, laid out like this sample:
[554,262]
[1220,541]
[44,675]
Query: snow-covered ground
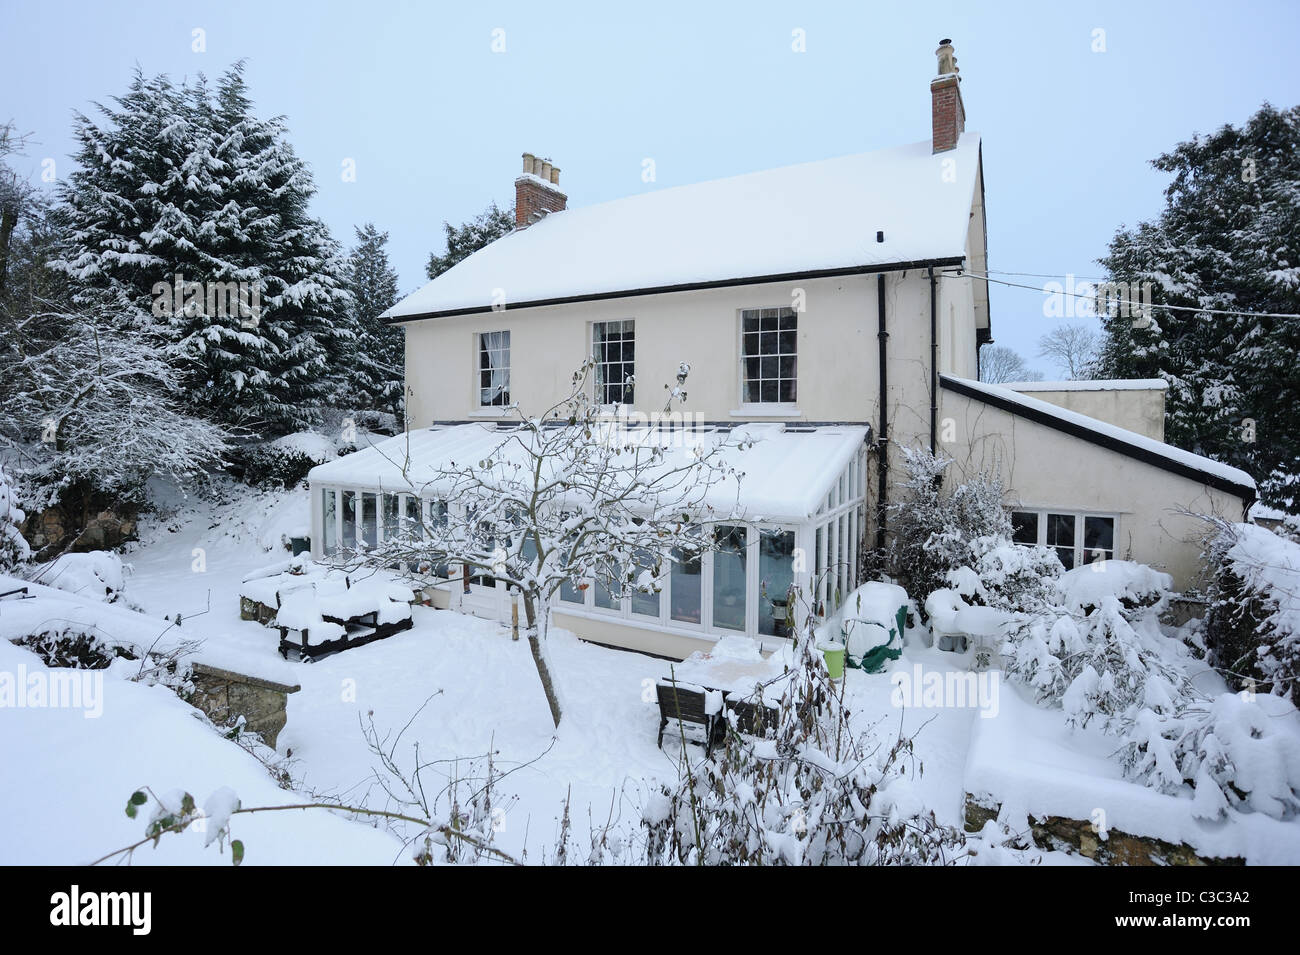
[458,687]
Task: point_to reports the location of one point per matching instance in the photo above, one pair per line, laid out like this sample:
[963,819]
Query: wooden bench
[753,719]
[685,704]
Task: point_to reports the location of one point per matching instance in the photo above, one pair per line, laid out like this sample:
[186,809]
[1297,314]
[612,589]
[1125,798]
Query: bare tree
[1074,349]
[1000,364]
[572,497]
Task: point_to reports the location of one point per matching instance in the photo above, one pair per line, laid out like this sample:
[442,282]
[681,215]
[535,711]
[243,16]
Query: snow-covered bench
[320,610]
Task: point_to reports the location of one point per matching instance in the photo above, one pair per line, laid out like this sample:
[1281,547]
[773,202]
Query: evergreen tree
[465,239]
[1228,238]
[184,181]
[377,364]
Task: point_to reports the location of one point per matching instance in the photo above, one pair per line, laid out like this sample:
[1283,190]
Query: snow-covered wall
[1134,406]
[1042,467]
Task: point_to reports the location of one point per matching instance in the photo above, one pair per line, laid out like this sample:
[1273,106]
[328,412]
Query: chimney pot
[534,199]
[880,236]
[947,112]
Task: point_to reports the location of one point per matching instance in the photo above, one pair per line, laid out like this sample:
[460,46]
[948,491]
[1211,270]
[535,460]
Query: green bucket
[834,654]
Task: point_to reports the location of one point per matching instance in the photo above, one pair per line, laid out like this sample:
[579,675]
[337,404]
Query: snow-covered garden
[1027,693]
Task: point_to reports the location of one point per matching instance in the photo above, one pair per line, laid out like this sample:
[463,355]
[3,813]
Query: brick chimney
[537,191]
[947,114]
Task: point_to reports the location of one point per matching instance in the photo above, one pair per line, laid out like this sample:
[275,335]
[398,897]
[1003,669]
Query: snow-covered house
[841,302]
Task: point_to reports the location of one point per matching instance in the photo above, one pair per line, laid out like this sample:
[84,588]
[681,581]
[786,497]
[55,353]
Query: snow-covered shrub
[1014,577]
[1252,630]
[810,793]
[1239,750]
[13,547]
[933,531]
[1136,586]
[284,462]
[98,574]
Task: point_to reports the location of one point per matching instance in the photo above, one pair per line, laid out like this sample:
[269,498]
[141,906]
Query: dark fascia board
[1101,439]
[688,287]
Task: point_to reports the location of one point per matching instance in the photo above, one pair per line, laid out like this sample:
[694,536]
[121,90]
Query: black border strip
[686,287]
[1110,443]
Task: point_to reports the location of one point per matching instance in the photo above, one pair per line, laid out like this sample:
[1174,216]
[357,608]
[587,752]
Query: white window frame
[1079,529]
[760,408]
[629,367]
[479,406]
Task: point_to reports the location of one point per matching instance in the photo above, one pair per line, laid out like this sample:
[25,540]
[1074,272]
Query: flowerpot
[834,654]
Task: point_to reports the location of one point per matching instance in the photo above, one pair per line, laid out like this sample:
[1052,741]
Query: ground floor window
[1078,538]
[729,590]
[330,520]
[775,577]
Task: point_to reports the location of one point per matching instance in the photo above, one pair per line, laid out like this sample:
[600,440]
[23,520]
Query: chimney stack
[537,191]
[947,114]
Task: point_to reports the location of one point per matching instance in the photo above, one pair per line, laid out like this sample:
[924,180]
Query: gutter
[687,287]
[1102,440]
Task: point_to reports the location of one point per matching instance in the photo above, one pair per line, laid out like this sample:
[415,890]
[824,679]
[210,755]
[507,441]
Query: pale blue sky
[435,121]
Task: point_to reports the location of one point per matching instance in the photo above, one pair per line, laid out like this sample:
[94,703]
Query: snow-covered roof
[1114,384]
[811,217]
[786,475]
[1118,439]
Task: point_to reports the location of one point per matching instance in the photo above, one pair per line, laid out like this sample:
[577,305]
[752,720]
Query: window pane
[686,588]
[607,594]
[414,527]
[1099,533]
[1060,530]
[349,520]
[390,503]
[1024,527]
[368,520]
[1098,538]
[776,574]
[770,364]
[329,508]
[729,577]
[612,347]
[570,593]
[644,604]
[494,368]
[1060,534]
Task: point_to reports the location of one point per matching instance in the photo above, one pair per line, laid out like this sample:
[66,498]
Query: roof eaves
[686,287]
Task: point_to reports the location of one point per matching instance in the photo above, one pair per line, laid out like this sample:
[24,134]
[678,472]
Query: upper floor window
[613,346]
[493,369]
[769,369]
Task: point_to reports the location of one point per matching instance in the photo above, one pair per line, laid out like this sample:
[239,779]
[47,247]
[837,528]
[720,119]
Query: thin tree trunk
[543,672]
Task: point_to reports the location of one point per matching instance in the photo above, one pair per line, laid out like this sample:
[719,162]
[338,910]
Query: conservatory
[796,515]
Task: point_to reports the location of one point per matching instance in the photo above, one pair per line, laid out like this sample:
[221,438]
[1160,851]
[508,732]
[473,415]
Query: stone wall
[54,530]
[225,696]
[1081,838]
